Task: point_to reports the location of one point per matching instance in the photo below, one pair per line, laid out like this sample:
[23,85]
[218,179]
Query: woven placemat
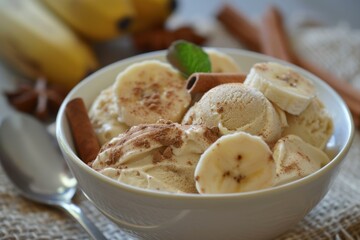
[336,217]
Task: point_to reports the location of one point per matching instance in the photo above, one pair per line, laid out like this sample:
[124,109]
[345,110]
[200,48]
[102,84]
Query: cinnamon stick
[202,82]
[273,38]
[86,143]
[240,27]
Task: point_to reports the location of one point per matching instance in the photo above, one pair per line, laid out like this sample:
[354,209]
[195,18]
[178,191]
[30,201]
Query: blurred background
[61,42]
[328,11]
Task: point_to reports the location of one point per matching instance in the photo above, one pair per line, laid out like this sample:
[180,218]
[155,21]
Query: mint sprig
[188,58]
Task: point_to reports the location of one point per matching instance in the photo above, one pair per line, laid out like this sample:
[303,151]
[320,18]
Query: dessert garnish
[194,63]
[203,82]
[188,58]
[85,141]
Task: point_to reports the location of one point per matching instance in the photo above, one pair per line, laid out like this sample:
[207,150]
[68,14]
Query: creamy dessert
[160,156]
[236,107]
[270,130]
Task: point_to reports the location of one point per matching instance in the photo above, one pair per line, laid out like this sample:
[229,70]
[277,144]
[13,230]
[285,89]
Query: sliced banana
[283,86]
[237,162]
[296,159]
[150,90]
[221,62]
[104,117]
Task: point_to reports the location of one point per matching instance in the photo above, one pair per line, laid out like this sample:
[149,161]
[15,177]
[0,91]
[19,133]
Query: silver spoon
[35,166]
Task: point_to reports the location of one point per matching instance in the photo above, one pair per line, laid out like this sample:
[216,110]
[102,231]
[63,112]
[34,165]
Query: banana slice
[104,117]
[296,159]
[237,162]
[148,91]
[221,62]
[280,84]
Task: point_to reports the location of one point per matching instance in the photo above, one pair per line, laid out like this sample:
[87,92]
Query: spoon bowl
[35,166]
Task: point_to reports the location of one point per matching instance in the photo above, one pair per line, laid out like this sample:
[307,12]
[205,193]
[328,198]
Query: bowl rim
[193,196]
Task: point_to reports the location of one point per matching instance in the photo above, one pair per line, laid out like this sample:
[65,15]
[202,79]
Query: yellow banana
[37,43]
[151,13]
[94,19]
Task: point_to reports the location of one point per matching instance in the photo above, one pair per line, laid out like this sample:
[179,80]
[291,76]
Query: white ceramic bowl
[254,215]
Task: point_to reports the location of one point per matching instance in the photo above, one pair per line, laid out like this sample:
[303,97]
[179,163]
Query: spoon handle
[84,221]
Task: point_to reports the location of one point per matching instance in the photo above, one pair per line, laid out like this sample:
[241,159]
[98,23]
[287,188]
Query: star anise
[41,99]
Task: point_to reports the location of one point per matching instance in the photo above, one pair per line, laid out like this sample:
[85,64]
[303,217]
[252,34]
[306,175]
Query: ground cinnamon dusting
[173,169]
[153,102]
[137,91]
[169,94]
[163,138]
[291,79]
[167,153]
[113,144]
[211,134]
[239,178]
[226,174]
[302,155]
[114,155]
[292,167]
[157,157]
[142,143]
[220,110]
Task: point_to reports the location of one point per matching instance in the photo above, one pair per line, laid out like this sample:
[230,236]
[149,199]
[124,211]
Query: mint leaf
[188,58]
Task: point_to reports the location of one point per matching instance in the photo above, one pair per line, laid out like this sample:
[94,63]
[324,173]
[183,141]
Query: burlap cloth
[336,217]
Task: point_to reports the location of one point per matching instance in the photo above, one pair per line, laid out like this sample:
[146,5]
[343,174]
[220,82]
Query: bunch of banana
[106,19]
[39,37]
[94,19]
[37,44]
